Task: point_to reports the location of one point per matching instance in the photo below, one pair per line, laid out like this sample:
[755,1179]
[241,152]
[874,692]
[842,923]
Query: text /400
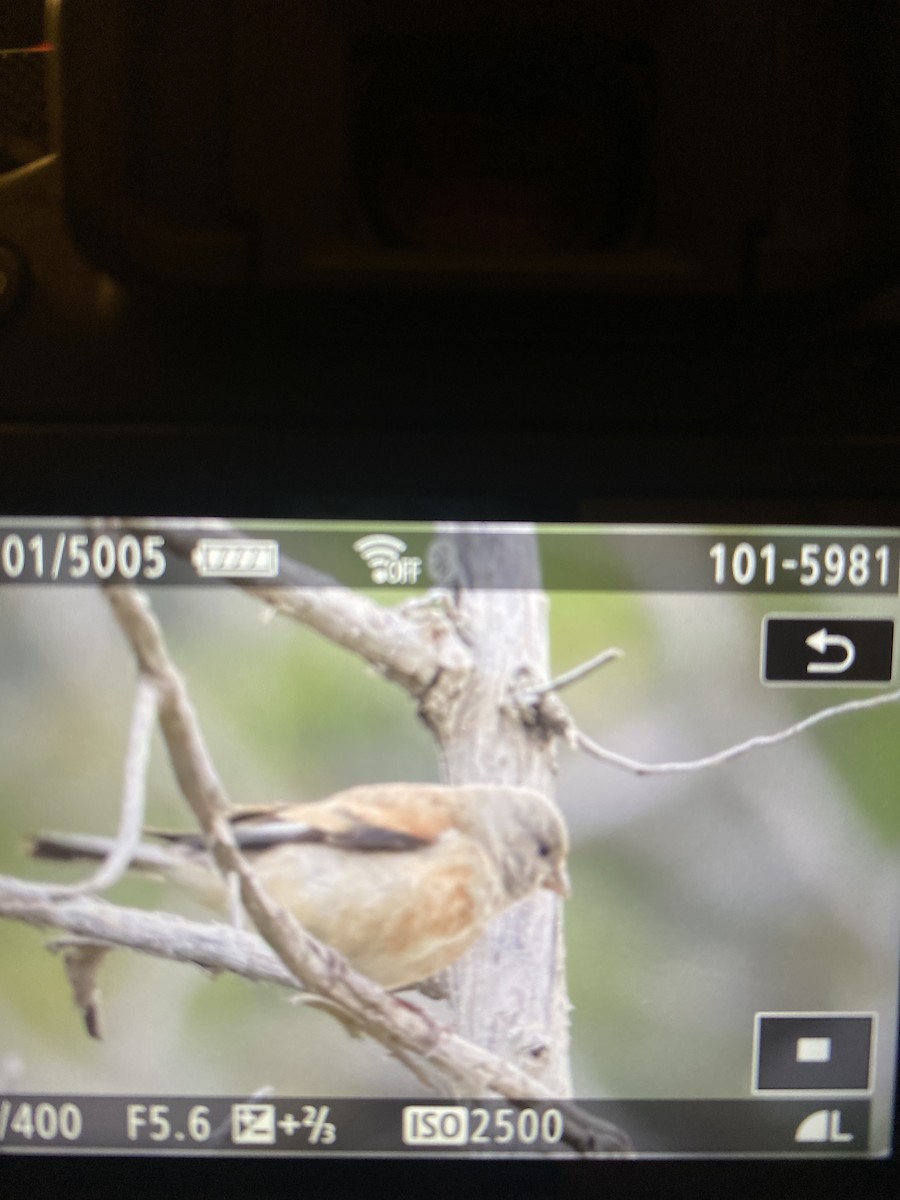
[42,1121]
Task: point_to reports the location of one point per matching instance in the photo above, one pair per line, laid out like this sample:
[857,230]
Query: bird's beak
[558,881]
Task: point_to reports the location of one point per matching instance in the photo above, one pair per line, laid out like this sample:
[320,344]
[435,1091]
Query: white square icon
[813,1050]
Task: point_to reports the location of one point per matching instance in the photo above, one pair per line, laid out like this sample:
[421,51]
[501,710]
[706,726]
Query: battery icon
[235,558]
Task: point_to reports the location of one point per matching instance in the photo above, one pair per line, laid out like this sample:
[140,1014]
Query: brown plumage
[401,878]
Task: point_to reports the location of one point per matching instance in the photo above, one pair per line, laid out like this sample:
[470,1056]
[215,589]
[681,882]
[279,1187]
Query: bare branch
[134,790]
[191,762]
[214,947]
[760,741]
[411,648]
[412,1036]
[82,960]
[556,685]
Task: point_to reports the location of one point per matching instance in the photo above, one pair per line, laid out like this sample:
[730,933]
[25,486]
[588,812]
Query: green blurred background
[769,883]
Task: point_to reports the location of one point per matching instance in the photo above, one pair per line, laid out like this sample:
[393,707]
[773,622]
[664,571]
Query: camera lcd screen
[712,711]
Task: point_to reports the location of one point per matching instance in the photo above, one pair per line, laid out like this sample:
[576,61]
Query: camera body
[626,151]
[697,193]
[687,209]
[381,262]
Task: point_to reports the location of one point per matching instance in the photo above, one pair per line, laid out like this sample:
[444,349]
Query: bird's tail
[80,847]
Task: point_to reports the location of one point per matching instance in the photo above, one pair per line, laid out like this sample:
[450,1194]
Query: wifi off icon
[384,555]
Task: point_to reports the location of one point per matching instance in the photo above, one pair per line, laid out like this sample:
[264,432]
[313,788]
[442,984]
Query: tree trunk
[508,993]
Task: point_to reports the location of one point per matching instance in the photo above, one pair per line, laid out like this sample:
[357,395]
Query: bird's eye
[543,849]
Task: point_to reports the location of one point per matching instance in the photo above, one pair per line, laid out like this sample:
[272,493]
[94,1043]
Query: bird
[400,878]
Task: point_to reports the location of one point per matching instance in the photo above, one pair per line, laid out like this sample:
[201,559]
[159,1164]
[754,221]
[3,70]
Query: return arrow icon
[822,641]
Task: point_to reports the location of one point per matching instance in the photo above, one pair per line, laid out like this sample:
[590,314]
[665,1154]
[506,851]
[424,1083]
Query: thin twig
[636,767]
[134,791]
[576,673]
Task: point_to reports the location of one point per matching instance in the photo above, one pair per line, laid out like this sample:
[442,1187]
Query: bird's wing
[370,818]
[415,814]
[356,835]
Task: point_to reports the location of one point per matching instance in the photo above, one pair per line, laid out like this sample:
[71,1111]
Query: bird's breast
[399,917]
